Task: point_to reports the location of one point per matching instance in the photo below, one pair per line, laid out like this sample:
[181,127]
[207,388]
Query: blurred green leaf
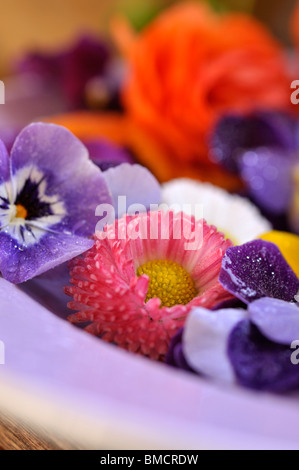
[141,12]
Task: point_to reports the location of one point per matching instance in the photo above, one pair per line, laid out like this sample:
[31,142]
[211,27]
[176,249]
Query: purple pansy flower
[264,149]
[49,189]
[258,269]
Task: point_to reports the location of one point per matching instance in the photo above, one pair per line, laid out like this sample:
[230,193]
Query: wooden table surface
[15,435]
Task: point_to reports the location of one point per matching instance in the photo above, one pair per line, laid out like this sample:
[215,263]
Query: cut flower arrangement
[157,207]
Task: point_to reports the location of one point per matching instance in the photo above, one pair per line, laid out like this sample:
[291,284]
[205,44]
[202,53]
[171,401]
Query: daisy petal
[205,341]
[276,319]
[144,274]
[233,215]
[259,363]
[258,269]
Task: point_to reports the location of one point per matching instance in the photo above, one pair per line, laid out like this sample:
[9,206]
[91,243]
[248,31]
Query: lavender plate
[59,377]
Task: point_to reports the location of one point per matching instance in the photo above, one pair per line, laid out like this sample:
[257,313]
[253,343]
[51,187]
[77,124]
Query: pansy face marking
[26,210]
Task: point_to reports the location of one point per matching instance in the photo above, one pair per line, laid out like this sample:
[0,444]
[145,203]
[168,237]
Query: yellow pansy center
[21,212]
[169,281]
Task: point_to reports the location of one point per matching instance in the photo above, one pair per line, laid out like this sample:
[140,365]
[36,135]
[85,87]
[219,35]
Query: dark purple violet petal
[277,320]
[258,269]
[267,173]
[231,303]
[69,174]
[19,263]
[259,363]
[234,134]
[104,91]
[85,60]
[175,356]
[69,70]
[106,154]
[279,222]
[45,65]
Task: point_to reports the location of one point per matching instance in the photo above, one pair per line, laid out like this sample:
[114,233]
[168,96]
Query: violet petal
[175,355]
[18,263]
[259,363]
[231,303]
[4,164]
[106,154]
[136,183]
[258,269]
[234,134]
[277,320]
[267,173]
[205,341]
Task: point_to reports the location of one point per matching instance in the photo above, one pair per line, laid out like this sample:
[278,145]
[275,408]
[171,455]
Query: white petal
[205,341]
[233,215]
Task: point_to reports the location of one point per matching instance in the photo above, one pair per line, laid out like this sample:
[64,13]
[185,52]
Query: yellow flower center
[169,281]
[21,212]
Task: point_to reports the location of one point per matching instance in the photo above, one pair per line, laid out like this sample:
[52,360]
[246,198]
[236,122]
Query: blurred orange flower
[294,25]
[126,133]
[189,66]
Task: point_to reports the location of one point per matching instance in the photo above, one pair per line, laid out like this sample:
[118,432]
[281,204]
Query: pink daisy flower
[144,273]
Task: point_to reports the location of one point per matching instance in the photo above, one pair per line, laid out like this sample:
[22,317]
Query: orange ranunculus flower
[294,25]
[189,66]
